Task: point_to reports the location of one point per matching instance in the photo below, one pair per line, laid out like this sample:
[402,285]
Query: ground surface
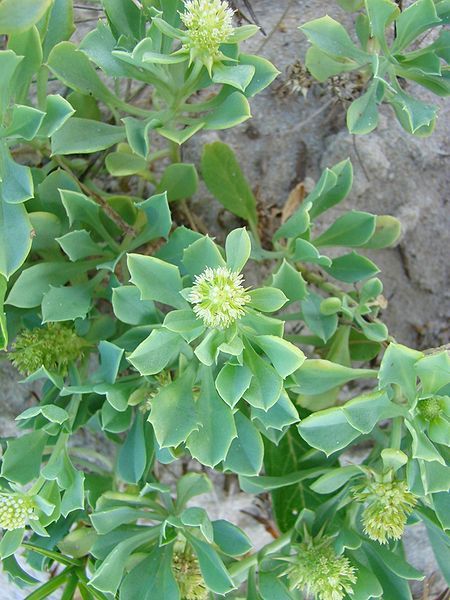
[291,137]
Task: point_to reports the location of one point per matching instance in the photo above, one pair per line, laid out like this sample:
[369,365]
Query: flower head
[15,511]
[320,571]
[219,297]
[208,24]
[388,506]
[430,408]
[188,576]
[53,346]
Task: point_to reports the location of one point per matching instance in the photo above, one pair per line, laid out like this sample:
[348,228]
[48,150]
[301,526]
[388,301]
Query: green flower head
[320,572]
[209,23]
[219,297]
[188,576]
[16,510]
[54,346]
[388,506]
[430,408]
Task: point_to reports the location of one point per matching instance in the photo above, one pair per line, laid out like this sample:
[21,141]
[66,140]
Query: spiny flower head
[388,506]
[208,24]
[53,346]
[320,571]
[219,297]
[15,511]
[430,408]
[188,576]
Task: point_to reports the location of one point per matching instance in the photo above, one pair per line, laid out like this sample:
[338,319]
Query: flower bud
[320,572]
[219,297]
[388,506]
[15,511]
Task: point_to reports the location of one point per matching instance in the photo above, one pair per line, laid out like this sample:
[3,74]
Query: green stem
[243,566]
[396,433]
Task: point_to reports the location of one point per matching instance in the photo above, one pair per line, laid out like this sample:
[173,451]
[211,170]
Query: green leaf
[238,76]
[271,586]
[387,233]
[20,16]
[24,123]
[246,452]
[201,254]
[124,17]
[414,116]
[132,458]
[174,413]
[209,444]
[78,244]
[3,325]
[414,20]
[15,237]
[335,479]
[290,282]
[305,252]
[84,136]
[433,371]
[81,209]
[179,181]
[16,184]
[232,382]
[234,110]
[332,188]
[123,164]
[381,13]
[364,412]
[396,563]
[22,458]
[316,376]
[130,309]
[279,416]
[285,357]
[156,352]
[331,37]
[74,69]
[152,578]
[397,367]
[265,73]
[267,299]
[10,542]
[157,280]
[322,325]
[213,570]
[66,303]
[108,575]
[352,268]
[60,25]
[362,114]
[230,539]
[266,384]
[237,248]
[225,180]
[159,220]
[9,62]
[328,430]
[351,229]
[191,485]
[27,45]
[322,65]
[185,323]
[51,412]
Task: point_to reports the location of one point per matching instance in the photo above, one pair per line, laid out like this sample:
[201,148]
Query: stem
[246,564]
[396,433]
[42,80]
